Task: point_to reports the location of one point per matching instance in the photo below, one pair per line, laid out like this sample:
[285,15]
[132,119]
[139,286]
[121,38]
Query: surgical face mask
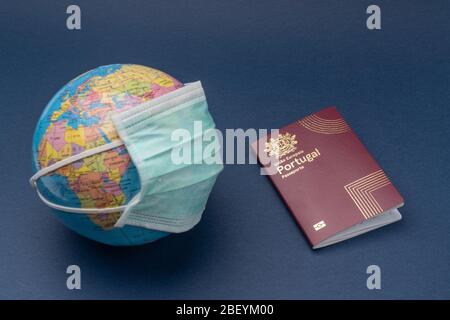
[173,195]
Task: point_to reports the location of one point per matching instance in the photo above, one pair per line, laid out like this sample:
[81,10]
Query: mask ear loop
[67,161]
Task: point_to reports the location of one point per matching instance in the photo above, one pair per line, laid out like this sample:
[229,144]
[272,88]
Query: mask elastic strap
[79,210]
[55,166]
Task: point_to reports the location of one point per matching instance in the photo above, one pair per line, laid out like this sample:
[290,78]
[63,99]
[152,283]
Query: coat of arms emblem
[281,145]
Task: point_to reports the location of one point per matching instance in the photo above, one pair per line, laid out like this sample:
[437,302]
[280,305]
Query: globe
[78,118]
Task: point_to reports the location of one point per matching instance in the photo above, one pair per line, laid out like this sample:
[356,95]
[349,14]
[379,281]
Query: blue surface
[263,64]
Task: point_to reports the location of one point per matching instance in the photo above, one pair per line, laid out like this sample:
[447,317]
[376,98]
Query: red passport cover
[325,175]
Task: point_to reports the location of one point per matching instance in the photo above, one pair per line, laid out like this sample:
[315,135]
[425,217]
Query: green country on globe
[78,118]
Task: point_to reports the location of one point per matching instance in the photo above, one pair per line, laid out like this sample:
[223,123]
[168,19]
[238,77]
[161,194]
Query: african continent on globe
[78,118]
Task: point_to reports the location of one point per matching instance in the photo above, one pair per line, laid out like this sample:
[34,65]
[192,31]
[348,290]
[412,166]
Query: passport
[330,182]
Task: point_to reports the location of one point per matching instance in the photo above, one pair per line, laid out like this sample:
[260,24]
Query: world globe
[78,118]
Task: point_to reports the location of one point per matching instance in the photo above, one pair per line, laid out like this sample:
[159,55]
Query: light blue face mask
[173,194]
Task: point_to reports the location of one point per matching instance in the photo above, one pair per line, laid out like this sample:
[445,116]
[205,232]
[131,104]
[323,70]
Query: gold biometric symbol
[282,145]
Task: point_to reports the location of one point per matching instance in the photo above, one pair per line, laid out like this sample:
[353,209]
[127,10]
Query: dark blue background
[263,64]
